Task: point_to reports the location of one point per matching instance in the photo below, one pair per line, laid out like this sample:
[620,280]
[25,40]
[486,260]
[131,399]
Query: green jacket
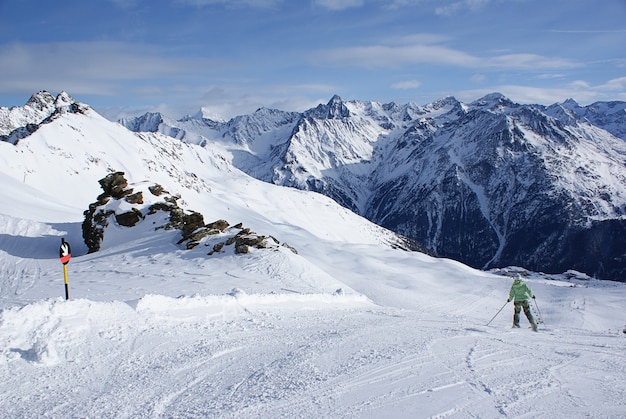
[519,291]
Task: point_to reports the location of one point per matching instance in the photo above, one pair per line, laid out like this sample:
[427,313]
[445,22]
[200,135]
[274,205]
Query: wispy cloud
[387,56]
[393,55]
[233,3]
[406,85]
[617,85]
[125,4]
[90,67]
[584,31]
[582,91]
[550,76]
[529,62]
[478,78]
[338,4]
[460,6]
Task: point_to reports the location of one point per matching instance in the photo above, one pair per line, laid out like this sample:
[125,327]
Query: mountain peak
[207,113]
[41,101]
[335,99]
[493,101]
[492,97]
[447,101]
[64,99]
[570,103]
[20,121]
[337,109]
[334,109]
[45,102]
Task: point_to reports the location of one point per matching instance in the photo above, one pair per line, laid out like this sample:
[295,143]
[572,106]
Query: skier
[519,294]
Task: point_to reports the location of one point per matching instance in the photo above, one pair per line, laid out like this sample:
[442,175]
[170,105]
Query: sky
[230,57]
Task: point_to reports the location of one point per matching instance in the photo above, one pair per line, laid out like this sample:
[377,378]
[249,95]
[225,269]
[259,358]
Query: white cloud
[125,4]
[384,56]
[618,84]
[224,101]
[92,67]
[459,6]
[233,3]
[390,56]
[580,90]
[529,62]
[338,4]
[417,39]
[478,78]
[405,85]
[578,84]
[548,76]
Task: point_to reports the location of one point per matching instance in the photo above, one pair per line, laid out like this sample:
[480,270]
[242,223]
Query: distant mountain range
[491,183]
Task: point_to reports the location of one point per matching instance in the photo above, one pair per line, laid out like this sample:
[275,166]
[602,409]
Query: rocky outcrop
[114,186]
[217,236]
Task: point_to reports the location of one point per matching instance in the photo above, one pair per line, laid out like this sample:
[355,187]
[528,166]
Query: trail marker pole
[497,314]
[67,285]
[65,253]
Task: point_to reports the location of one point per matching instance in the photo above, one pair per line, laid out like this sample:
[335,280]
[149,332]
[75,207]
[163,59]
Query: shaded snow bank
[54,331]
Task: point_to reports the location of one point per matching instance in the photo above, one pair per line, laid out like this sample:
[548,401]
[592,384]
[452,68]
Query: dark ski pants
[518,307]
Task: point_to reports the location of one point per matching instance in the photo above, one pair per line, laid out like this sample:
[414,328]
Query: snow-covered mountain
[21,121]
[167,318]
[491,183]
[610,116]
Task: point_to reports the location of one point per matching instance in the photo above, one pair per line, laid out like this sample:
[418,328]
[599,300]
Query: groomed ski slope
[374,332]
[348,327]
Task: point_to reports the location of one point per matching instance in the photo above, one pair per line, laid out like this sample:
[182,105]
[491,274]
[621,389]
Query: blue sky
[126,57]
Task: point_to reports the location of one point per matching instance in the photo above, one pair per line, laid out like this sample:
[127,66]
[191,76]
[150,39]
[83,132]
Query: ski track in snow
[156,333]
[254,359]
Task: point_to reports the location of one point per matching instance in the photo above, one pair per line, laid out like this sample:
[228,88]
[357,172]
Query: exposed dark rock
[293,249]
[156,190]
[190,223]
[96,220]
[130,218]
[220,225]
[251,240]
[115,184]
[242,248]
[217,248]
[134,199]
[160,206]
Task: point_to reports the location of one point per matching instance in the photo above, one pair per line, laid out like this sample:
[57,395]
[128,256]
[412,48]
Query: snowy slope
[347,327]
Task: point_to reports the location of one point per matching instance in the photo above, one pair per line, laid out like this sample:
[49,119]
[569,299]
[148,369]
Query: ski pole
[497,313]
[539,312]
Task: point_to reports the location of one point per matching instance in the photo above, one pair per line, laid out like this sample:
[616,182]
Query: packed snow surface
[347,327]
